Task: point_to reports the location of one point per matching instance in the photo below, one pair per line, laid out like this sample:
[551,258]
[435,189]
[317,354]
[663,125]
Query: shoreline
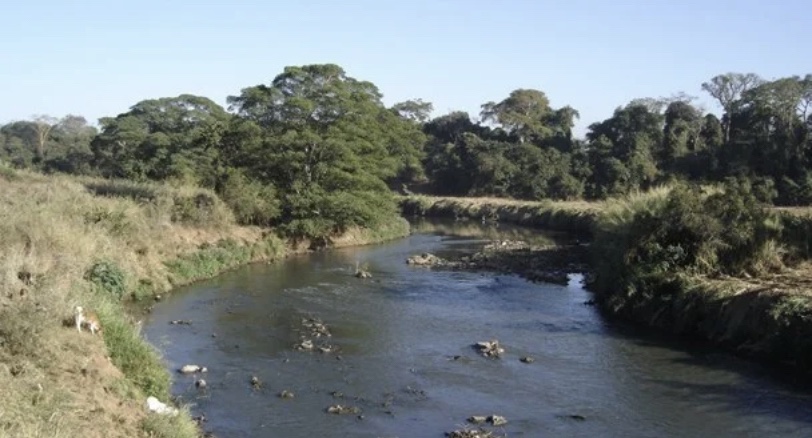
[111,247]
[767,320]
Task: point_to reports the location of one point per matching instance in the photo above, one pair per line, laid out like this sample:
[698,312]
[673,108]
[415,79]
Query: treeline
[316,151]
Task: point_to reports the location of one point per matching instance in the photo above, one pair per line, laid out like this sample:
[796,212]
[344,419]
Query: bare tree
[43,124]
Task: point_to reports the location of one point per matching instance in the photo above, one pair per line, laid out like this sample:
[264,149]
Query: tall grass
[67,242]
[570,216]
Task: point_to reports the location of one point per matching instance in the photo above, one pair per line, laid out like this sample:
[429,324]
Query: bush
[108,277]
[134,357]
[320,215]
[201,208]
[252,202]
[688,232]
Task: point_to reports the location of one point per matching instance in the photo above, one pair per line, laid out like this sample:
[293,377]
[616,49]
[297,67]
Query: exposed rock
[490,348]
[191,369]
[497,420]
[363,274]
[549,264]
[158,407]
[425,259]
[344,410]
[181,322]
[506,245]
[286,394]
[471,433]
[527,359]
[255,382]
[316,327]
[305,345]
[201,384]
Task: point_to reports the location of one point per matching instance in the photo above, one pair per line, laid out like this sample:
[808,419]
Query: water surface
[399,333]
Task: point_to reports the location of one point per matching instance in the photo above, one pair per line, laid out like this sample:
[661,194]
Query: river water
[400,331]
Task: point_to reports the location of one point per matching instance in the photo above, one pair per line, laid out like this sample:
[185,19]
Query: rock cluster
[490,349]
[549,264]
[314,328]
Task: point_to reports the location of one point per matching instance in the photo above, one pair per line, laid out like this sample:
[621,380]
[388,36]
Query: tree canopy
[316,151]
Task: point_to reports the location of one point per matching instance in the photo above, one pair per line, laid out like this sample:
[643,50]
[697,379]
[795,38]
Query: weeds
[108,277]
[67,242]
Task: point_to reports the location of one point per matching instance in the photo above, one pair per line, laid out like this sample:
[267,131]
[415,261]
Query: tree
[562,121]
[683,123]
[70,149]
[450,127]
[171,137]
[623,150]
[524,114]
[329,143]
[20,143]
[415,110]
[42,125]
[727,89]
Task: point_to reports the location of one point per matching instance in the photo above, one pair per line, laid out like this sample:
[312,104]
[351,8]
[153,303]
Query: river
[398,335]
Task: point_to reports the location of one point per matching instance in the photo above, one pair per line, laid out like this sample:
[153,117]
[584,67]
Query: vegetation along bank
[712,263]
[179,188]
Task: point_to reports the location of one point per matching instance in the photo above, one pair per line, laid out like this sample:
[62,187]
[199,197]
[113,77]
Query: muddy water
[398,334]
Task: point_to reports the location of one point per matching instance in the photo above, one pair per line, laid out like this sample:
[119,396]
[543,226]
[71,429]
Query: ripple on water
[399,333]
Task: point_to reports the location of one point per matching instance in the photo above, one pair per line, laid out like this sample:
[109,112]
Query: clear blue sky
[97,58]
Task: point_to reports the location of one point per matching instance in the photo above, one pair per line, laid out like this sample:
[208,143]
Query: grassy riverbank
[694,263]
[78,241]
[570,216]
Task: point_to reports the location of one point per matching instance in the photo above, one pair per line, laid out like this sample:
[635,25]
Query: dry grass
[54,381]
[570,216]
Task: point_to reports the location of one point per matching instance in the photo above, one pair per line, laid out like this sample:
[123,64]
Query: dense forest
[316,151]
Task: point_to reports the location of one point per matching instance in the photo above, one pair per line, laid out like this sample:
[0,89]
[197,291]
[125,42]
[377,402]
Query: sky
[97,59]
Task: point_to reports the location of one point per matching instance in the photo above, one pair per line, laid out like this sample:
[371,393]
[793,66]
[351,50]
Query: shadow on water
[406,360]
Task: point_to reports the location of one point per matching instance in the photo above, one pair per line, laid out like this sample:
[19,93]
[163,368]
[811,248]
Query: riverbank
[100,244]
[767,317]
[576,217]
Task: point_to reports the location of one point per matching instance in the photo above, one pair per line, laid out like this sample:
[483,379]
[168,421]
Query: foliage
[173,137]
[725,233]
[209,260]
[108,277]
[252,202]
[327,141]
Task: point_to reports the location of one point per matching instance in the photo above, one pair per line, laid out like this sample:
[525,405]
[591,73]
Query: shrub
[687,231]
[252,202]
[320,215]
[108,277]
[200,208]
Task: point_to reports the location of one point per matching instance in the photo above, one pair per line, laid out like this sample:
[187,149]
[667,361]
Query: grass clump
[108,277]
[570,216]
[226,254]
[162,426]
[78,241]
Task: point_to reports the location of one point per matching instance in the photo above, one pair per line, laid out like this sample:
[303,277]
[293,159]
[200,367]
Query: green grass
[211,260]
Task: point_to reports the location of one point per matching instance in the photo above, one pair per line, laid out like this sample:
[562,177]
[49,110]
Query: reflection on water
[400,331]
